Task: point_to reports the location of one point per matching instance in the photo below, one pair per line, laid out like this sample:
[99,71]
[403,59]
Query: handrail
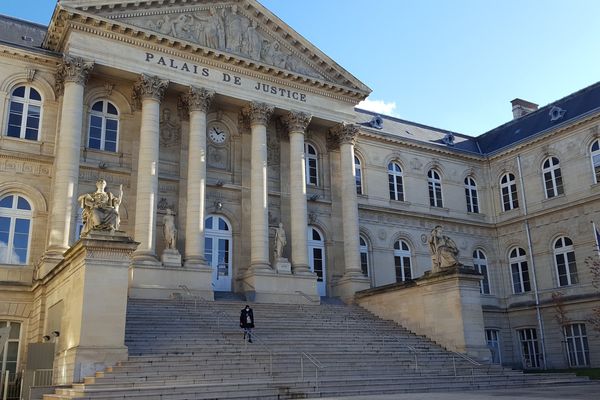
[409,347]
[468,359]
[316,363]
[307,297]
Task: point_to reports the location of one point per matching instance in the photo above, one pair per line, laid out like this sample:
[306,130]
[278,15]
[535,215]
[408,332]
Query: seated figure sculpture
[100,209]
[444,252]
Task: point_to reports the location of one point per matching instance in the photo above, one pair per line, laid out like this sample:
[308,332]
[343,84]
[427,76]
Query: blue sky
[450,64]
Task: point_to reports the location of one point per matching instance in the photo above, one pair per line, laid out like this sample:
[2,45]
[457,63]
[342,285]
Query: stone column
[297,122]
[198,102]
[70,81]
[148,91]
[259,115]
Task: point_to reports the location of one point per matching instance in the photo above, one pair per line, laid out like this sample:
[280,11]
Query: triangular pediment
[240,29]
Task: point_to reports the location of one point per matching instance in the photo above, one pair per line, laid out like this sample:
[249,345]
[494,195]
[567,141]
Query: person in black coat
[247,322]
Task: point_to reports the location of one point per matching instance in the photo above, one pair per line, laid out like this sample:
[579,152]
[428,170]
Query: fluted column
[70,81]
[297,122]
[148,91]
[346,136]
[198,102]
[259,115]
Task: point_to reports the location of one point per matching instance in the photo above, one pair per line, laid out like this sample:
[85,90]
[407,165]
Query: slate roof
[20,33]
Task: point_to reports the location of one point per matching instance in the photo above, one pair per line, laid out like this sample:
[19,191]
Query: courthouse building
[224,115]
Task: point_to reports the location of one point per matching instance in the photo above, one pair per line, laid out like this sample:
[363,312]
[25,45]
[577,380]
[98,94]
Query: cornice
[37,158]
[30,55]
[65,19]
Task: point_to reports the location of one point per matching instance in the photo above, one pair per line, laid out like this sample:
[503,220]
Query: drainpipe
[535,286]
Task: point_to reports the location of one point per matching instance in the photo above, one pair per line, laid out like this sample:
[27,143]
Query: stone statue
[280,242]
[234,30]
[444,252]
[100,209]
[169,129]
[169,230]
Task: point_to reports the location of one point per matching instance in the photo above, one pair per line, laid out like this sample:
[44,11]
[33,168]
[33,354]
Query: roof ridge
[24,20]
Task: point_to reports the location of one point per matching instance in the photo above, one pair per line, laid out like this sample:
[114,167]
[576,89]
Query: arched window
[104,126]
[508,188]
[396,184]
[317,259]
[312,164]
[564,257]
[358,175]
[553,183]
[471,195]
[519,270]
[402,261]
[364,255]
[434,181]
[595,154]
[15,229]
[480,263]
[24,113]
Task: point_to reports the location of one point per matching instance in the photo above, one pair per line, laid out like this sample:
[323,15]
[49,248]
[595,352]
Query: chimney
[522,107]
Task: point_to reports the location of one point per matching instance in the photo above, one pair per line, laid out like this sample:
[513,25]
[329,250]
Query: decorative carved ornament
[343,134]
[296,121]
[148,87]
[259,113]
[170,129]
[198,99]
[72,69]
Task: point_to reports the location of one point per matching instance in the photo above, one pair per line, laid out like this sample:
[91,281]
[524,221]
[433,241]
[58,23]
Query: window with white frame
[471,195]
[10,353]
[553,183]
[402,261]
[395,181]
[492,337]
[358,175]
[312,164]
[519,270]
[578,351]
[103,133]
[508,189]
[595,155]
[480,263]
[530,354]
[564,257]
[364,255]
[15,229]
[434,182]
[24,113]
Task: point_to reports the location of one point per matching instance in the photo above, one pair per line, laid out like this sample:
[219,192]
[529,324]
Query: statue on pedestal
[282,265]
[444,252]
[100,209]
[169,230]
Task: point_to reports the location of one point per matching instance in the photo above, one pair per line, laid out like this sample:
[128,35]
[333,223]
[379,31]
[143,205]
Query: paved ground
[571,392]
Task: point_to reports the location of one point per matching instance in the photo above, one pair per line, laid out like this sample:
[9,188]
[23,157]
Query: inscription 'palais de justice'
[224,77]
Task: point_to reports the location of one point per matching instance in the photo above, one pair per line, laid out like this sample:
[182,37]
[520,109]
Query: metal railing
[11,389]
[410,348]
[318,366]
[42,377]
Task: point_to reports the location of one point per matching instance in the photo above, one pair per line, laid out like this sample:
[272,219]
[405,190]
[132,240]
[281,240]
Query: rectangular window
[520,276]
[578,351]
[364,263]
[530,354]
[493,341]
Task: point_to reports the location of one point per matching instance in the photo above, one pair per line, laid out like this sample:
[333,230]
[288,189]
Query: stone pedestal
[347,286]
[446,307]
[283,266]
[158,282]
[171,258]
[91,282]
[268,286]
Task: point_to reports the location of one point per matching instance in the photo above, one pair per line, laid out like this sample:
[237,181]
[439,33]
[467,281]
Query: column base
[145,259]
[348,285]
[271,287]
[195,262]
[158,282]
[301,269]
[261,266]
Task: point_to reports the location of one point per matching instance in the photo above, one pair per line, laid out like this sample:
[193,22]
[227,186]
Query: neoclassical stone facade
[208,110]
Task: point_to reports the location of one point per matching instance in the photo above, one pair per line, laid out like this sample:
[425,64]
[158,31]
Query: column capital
[259,113]
[198,99]
[343,133]
[148,87]
[296,121]
[72,69]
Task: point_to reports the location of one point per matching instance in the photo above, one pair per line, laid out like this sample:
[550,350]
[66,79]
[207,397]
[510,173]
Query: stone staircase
[182,351]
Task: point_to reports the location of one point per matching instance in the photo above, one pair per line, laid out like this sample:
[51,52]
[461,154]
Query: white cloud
[379,106]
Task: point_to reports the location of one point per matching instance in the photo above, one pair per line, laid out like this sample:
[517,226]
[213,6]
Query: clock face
[217,134]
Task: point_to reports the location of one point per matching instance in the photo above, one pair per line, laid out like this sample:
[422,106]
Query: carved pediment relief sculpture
[225,29]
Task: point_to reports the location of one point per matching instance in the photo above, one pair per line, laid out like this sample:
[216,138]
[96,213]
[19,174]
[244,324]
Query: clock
[218,133]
